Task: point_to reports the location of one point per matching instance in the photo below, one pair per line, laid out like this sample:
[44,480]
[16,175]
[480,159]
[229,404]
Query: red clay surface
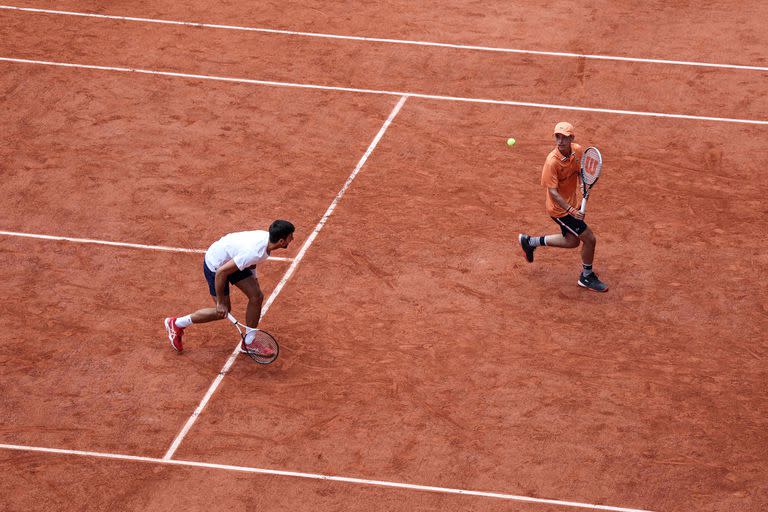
[87,484]
[418,345]
[166,161]
[729,31]
[446,359]
[463,73]
[83,357]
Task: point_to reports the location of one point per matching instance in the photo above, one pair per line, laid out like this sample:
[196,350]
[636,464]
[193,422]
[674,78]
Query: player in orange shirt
[561,177]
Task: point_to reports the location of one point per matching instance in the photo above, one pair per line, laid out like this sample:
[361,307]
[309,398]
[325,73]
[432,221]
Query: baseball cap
[564,128]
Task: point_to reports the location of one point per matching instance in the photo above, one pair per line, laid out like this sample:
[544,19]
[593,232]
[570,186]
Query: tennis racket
[591,166]
[263,348]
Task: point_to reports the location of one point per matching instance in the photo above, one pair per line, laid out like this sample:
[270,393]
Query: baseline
[383,92]
[316,476]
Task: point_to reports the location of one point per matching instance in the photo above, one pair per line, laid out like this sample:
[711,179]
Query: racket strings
[262,347]
[258,345]
[591,165]
[590,178]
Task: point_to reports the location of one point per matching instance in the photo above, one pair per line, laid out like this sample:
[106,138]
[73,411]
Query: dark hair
[279,230]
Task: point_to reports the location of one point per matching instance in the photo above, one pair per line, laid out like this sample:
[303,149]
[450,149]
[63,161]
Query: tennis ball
[511,142]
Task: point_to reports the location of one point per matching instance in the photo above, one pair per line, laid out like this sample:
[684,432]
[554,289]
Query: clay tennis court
[424,364]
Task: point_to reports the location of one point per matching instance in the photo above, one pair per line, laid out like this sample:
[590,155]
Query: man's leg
[588,247]
[175,325]
[250,287]
[588,279]
[569,241]
[202,316]
[529,244]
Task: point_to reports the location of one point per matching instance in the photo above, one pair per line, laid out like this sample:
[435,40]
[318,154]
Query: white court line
[316,476]
[288,273]
[116,244]
[384,92]
[394,41]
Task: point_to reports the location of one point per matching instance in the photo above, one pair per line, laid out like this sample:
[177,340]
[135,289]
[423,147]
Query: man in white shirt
[233,259]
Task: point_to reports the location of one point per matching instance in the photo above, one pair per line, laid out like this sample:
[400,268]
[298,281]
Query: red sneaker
[174,334]
[256,348]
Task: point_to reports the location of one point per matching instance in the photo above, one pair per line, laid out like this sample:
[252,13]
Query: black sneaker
[527,247]
[592,282]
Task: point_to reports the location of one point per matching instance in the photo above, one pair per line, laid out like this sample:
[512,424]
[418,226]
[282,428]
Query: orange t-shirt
[563,175]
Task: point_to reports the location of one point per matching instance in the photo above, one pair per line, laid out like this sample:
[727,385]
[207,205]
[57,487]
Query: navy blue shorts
[210,276]
[570,224]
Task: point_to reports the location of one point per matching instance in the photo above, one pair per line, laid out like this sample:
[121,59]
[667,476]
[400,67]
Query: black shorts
[210,276]
[570,224]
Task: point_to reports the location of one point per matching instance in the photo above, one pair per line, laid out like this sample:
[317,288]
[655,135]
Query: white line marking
[116,244]
[288,273]
[389,93]
[394,41]
[316,476]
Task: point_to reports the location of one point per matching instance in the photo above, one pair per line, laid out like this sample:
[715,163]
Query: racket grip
[231,318]
[583,205]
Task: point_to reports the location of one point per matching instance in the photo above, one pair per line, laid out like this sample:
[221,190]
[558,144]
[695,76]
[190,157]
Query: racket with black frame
[591,167]
[263,348]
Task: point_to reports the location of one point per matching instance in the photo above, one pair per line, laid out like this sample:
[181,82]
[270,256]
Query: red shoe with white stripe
[174,334]
[256,349]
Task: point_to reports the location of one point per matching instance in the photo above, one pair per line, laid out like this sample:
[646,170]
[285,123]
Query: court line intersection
[288,273]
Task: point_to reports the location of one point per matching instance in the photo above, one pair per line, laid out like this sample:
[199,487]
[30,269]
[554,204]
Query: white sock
[184,321]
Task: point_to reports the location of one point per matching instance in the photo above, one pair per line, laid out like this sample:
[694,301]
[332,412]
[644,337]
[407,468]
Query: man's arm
[222,301]
[556,197]
[549,180]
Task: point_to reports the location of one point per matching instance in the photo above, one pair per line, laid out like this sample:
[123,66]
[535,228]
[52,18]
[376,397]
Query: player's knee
[589,238]
[256,296]
[572,242]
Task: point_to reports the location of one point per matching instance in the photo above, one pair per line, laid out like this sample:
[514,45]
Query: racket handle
[231,318]
[583,205]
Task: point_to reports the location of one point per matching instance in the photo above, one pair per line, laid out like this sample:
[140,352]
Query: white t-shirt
[247,248]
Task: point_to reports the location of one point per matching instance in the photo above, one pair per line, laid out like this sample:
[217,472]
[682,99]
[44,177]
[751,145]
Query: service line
[391,41]
[288,273]
[382,92]
[316,476]
[116,244]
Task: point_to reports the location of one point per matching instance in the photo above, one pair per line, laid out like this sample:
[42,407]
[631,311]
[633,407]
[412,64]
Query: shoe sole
[591,289]
[525,254]
[170,333]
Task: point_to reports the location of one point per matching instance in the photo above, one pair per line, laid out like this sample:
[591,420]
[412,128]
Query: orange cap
[564,128]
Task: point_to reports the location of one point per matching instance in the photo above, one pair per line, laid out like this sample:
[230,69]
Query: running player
[233,259]
[561,177]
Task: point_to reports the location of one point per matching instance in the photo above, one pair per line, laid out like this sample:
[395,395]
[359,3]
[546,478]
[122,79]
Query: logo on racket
[590,165]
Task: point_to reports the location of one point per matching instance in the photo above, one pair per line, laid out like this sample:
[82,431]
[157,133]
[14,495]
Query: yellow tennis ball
[511,142]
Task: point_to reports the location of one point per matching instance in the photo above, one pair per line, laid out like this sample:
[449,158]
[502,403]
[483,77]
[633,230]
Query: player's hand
[223,307]
[576,214]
